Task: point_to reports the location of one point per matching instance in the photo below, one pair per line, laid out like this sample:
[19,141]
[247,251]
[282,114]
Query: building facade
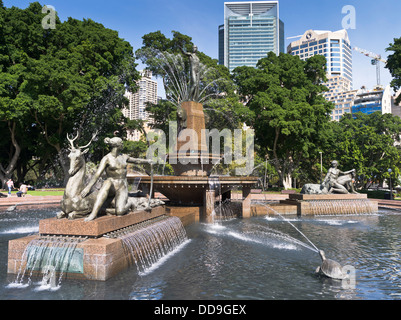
[344,101]
[378,99]
[251,29]
[396,107]
[336,48]
[136,109]
[362,100]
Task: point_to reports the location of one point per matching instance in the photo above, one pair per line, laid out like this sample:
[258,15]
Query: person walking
[10,185]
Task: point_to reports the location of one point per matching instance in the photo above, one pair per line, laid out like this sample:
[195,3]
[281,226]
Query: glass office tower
[251,29]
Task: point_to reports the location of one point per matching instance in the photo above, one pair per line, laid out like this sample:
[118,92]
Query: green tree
[64,79]
[286,108]
[394,65]
[221,107]
[16,44]
[367,143]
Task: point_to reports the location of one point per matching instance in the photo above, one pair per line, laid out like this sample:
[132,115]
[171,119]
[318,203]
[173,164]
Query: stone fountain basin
[190,190]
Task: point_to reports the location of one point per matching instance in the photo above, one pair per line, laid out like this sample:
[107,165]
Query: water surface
[259,258]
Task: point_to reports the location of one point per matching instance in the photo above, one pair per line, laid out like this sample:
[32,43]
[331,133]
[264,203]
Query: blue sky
[377,23]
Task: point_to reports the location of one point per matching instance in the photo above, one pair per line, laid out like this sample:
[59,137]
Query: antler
[93,137]
[72,140]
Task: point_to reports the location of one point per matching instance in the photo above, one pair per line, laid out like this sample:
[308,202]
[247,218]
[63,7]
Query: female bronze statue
[114,164]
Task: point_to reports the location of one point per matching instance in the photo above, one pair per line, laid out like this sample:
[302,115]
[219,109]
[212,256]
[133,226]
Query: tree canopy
[223,104]
[286,108]
[367,143]
[56,81]
[394,65]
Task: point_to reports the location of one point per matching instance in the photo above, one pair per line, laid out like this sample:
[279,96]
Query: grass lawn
[38,193]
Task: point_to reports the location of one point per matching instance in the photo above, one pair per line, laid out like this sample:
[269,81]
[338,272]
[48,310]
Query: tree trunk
[60,152]
[6,173]
[65,165]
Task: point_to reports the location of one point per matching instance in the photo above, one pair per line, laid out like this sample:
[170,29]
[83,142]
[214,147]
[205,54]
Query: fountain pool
[257,258]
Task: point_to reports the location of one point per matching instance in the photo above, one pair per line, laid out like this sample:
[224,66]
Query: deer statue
[73,206]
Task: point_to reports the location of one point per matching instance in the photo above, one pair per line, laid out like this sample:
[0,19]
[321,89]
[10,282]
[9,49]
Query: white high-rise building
[147,92]
[336,48]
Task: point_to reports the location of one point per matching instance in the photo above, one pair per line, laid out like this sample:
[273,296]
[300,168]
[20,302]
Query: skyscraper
[336,48]
[147,92]
[251,29]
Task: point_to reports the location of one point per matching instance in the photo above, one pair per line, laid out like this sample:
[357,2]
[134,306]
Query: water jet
[329,268]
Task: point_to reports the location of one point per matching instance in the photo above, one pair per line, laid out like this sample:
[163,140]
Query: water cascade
[50,256]
[223,209]
[148,242]
[341,207]
[226,210]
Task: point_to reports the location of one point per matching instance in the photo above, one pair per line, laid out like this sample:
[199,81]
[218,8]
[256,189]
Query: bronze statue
[194,64]
[114,164]
[78,200]
[182,118]
[336,181]
[73,204]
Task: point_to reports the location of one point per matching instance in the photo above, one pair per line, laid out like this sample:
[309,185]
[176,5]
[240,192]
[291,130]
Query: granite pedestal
[331,204]
[95,257]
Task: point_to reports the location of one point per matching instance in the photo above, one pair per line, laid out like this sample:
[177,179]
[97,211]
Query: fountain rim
[311,197]
[195,179]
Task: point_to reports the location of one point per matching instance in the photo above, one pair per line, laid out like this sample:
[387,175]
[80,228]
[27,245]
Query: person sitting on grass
[23,189]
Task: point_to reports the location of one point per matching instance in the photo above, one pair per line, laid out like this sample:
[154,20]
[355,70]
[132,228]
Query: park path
[37,202]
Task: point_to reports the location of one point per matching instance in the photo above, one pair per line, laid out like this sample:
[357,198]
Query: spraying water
[329,268]
[292,225]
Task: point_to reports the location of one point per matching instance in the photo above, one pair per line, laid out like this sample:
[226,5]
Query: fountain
[77,242]
[191,186]
[335,196]
[82,243]
[133,229]
[49,256]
